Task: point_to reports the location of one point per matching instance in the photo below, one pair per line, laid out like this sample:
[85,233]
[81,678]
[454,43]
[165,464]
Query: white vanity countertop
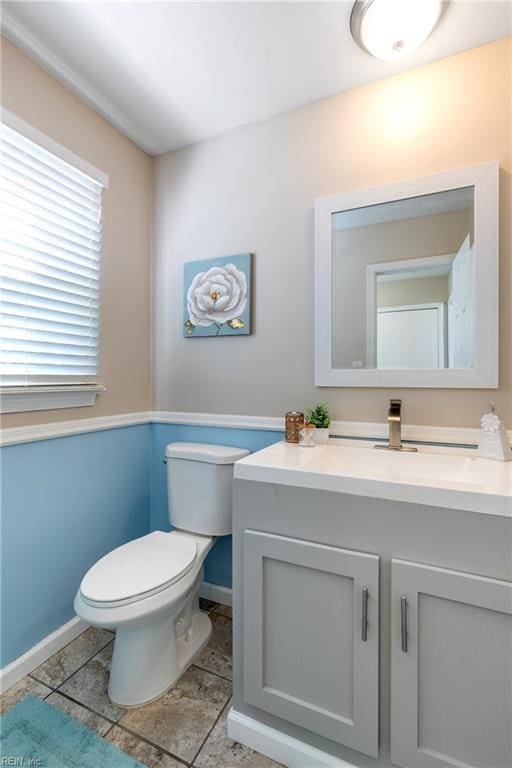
[451,478]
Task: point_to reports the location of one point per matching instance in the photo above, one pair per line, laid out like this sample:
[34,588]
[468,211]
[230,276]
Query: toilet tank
[200,486]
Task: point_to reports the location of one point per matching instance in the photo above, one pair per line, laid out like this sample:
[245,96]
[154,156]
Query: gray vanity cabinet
[310,636]
[447,707]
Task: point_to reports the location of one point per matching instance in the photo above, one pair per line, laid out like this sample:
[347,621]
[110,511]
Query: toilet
[147,590]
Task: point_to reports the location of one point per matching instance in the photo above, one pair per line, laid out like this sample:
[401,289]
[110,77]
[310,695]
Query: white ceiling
[168,74]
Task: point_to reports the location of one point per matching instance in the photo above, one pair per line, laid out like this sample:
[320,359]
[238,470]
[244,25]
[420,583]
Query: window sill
[19,399]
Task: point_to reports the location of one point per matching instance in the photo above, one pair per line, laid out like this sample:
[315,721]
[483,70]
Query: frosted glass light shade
[391,29]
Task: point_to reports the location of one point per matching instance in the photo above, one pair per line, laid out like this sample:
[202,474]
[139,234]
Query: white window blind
[50,252]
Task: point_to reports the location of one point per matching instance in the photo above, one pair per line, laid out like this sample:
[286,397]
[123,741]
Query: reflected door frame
[390,267]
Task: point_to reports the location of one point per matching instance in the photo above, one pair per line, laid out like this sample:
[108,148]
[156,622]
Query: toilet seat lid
[145,565]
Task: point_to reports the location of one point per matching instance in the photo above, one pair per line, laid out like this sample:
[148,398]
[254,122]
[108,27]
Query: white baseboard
[279,746]
[30,660]
[222,595]
[53,643]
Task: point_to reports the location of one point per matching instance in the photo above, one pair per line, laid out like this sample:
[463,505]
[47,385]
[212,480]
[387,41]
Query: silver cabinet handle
[364,614]
[403,617]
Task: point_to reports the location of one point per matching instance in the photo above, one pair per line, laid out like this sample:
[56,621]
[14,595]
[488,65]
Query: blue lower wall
[218,562]
[65,502]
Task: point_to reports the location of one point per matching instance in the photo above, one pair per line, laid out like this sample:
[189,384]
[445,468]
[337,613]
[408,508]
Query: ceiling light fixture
[391,29]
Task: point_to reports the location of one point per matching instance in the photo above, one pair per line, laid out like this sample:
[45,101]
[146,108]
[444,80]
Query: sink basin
[436,477]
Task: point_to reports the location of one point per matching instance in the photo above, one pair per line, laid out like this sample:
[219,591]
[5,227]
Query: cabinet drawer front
[451,683]
[310,637]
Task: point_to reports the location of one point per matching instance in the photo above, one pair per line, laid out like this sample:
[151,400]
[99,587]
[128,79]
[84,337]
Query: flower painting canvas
[217,296]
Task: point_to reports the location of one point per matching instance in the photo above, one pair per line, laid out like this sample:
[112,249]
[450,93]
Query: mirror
[407,292]
[403,281]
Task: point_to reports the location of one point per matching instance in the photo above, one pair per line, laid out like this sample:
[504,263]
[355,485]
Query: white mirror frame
[484,178]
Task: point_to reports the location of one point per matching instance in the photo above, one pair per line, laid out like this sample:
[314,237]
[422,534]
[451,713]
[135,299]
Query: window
[50,254]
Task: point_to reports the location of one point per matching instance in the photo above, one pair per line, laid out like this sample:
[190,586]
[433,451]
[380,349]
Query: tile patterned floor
[184,727]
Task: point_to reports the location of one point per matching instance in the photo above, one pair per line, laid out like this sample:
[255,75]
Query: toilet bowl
[151,602]
[147,590]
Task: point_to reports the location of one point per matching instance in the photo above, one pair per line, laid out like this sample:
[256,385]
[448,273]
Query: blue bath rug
[33,734]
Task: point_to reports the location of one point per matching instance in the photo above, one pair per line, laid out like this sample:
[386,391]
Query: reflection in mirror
[403,283]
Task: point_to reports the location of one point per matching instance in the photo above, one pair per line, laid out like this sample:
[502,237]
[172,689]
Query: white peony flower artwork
[217,296]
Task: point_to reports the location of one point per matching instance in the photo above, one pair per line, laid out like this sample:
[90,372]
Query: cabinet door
[310,638]
[451,674]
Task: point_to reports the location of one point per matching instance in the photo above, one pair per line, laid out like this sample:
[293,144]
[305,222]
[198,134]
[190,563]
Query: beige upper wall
[253,190]
[37,97]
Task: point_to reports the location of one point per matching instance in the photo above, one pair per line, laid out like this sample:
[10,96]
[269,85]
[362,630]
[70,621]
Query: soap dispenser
[493,437]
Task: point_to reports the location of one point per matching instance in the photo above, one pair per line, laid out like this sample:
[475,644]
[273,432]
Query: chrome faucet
[395,429]
[395,424]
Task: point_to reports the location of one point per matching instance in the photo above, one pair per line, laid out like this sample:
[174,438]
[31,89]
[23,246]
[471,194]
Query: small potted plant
[320,416]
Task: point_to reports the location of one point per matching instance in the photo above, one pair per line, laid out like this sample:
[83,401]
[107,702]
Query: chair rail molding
[34,432]
[340,430]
